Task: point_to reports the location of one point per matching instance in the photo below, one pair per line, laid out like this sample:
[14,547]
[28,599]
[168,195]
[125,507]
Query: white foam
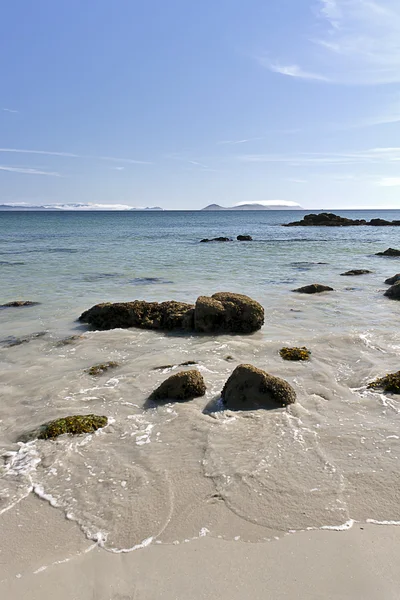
[374,522]
[344,527]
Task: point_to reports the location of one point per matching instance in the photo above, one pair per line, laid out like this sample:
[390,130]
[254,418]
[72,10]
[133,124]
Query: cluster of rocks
[332,220]
[224,312]
[240,238]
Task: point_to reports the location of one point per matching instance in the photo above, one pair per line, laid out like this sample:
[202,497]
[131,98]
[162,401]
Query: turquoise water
[322,462]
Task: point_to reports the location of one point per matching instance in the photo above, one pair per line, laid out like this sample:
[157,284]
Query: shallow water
[176,472]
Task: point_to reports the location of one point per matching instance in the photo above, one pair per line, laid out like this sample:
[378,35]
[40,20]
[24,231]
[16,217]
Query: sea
[172,473]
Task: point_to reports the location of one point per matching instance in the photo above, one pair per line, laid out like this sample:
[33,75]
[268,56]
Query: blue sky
[184,103]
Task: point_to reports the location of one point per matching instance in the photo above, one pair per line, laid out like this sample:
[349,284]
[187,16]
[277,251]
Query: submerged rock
[223,312]
[248,388]
[295,353]
[244,238]
[389,252]
[74,425]
[226,312]
[393,280]
[102,368]
[182,386]
[356,272]
[69,340]
[19,304]
[17,341]
[389,383]
[146,315]
[394,291]
[217,239]
[314,288]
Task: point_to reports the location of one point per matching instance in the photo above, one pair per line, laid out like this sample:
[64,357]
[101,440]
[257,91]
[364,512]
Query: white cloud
[72,155]
[118,168]
[358,43]
[234,142]
[372,156]
[29,171]
[389,182]
[10,110]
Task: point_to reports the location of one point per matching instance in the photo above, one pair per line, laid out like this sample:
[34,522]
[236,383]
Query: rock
[379,222]
[69,340]
[389,252]
[74,425]
[146,315]
[217,239]
[187,363]
[393,280]
[244,238]
[226,312]
[332,220]
[394,291]
[389,383]
[182,386]
[11,340]
[229,358]
[295,353]
[19,303]
[356,272]
[102,368]
[314,288]
[248,388]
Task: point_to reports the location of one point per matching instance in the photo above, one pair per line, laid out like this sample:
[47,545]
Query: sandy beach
[42,555]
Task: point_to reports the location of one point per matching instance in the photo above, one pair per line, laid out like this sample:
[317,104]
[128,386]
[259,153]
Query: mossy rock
[389,383]
[182,386]
[75,425]
[313,288]
[355,272]
[102,368]
[295,353]
[19,304]
[227,312]
[389,252]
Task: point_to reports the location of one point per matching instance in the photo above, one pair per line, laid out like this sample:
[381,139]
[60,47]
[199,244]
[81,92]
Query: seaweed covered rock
[393,280]
[250,388]
[19,304]
[244,238]
[314,288]
[354,272]
[389,252]
[295,353]
[394,291]
[102,368]
[146,315]
[182,386]
[389,383]
[226,312]
[74,425]
[325,220]
[217,239]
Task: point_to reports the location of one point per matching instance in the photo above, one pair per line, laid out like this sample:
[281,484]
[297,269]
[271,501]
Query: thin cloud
[29,171]
[234,142]
[296,72]
[72,155]
[389,182]
[372,156]
[10,110]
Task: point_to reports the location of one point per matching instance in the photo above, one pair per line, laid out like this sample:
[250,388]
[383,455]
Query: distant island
[257,206]
[75,207]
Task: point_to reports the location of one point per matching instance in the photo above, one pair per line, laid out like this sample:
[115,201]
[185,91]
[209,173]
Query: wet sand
[43,556]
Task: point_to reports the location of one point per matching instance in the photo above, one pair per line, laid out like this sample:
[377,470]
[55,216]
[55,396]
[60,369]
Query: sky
[184,103]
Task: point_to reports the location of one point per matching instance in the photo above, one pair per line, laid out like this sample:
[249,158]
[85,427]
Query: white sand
[361,563]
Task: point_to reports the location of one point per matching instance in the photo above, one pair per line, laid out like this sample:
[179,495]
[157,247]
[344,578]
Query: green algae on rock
[389,383]
[295,353]
[182,386]
[102,368]
[75,425]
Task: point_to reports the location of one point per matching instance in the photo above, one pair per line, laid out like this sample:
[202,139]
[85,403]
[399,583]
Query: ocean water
[172,473]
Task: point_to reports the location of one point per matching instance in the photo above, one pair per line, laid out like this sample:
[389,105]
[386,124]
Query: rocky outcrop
[226,312]
[388,383]
[182,386]
[244,238]
[314,288]
[354,272]
[393,280]
[389,252]
[295,353]
[223,312]
[145,315]
[217,239]
[332,220]
[19,304]
[394,291]
[102,368]
[249,388]
[75,425]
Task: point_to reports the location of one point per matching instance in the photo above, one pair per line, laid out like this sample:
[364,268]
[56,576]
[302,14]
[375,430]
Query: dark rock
[295,353]
[229,358]
[19,303]
[389,252]
[244,238]
[332,220]
[102,368]
[389,383]
[17,341]
[248,388]
[70,340]
[394,291]
[217,239]
[379,222]
[146,315]
[74,425]
[393,280]
[356,272]
[314,288]
[182,386]
[228,312]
